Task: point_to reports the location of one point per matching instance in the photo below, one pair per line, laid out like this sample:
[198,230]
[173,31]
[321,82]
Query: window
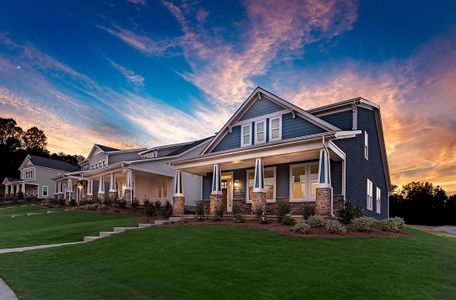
[28,174]
[303,182]
[162,188]
[378,200]
[269,184]
[366,145]
[260,132]
[275,129]
[44,190]
[369,195]
[246,138]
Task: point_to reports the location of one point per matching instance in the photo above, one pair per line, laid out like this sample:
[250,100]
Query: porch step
[145,225]
[107,233]
[161,222]
[15,216]
[91,238]
[53,211]
[33,214]
[122,229]
[175,219]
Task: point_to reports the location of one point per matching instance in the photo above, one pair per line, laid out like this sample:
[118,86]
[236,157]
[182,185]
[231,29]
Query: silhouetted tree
[35,141]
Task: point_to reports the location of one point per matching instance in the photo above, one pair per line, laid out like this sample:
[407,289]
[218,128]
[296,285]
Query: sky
[145,73]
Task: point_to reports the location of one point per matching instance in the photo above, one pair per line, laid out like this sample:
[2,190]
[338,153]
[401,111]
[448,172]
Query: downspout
[331,202]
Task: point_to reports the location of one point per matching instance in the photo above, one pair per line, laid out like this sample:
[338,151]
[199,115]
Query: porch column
[258,193]
[7,189]
[89,195]
[129,187]
[323,199]
[112,187]
[69,189]
[101,189]
[216,201]
[178,197]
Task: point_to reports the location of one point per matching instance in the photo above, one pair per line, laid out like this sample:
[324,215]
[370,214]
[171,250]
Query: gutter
[331,202]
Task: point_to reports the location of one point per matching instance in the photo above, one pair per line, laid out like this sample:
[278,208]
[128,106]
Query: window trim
[366,145]
[369,195]
[264,132]
[42,190]
[378,200]
[308,194]
[247,196]
[250,135]
[280,128]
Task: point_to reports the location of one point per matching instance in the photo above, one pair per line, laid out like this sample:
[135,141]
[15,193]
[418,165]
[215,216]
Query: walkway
[5,292]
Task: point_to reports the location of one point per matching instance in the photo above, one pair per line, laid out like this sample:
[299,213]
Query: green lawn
[228,262]
[51,228]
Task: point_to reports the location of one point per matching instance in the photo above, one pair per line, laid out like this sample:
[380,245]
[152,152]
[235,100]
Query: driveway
[449,230]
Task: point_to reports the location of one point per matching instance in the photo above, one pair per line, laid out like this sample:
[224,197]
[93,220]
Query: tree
[35,140]
[10,134]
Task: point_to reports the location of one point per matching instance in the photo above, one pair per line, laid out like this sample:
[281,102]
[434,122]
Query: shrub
[335,227]
[236,209]
[150,209]
[107,202]
[168,211]
[349,212]
[287,220]
[83,202]
[363,224]
[283,209]
[261,216]
[72,202]
[122,203]
[302,227]
[158,205]
[217,218]
[307,211]
[316,221]
[146,202]
[102,207]
[395,224]
[135,203]
[219,211]
[199,215]
[237,217]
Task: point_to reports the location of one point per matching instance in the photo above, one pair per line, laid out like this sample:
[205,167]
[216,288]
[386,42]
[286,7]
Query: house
[271,150]
[141,174]
[36,175]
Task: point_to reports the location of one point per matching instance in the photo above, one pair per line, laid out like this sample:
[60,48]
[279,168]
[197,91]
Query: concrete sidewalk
[5,292]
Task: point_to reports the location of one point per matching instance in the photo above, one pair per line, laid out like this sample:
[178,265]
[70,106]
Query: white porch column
[112,183]
[216,190]
[101,187]
[55,188]
[258,182]
[178,185]
[90,187]
[129,187]
[23,188]
[7,189]
[17,188]
[323,169]
[69,188]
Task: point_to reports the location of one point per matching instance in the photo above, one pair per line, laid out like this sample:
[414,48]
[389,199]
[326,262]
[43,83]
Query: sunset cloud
[131,76]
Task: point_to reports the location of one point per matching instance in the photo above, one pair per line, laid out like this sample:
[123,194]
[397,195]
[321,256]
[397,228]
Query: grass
[228,262]
[51,228]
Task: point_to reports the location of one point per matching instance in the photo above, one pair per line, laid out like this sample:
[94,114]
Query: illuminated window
[303,182]
[269,184]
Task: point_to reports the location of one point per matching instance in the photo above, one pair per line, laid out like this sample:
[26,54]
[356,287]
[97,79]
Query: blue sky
[143,73]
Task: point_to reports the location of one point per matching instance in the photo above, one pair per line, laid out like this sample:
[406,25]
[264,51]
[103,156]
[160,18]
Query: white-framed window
[260,132]
[269,184]
[366,145]
[275,129]
[303,182]
[378,200]
[246,135]
[44,190]
[162,188]
[28,174]
[370,196]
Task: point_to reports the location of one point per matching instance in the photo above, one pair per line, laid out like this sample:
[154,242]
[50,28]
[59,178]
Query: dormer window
[260,132]
[275,129]
[246,135]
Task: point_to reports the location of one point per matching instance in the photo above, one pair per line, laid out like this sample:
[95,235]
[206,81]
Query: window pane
[246,130]
[260,136]
[260,127]
[246,139]
[250,176]
[275,133]
[298,182]
[275,123]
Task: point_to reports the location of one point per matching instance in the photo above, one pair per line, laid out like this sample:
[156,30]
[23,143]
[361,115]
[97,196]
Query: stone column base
[101,197]
[258,202]
[216,201]
[68,197]
[322,202]
[128,196]
[178,205]
[112,195]
[89,198]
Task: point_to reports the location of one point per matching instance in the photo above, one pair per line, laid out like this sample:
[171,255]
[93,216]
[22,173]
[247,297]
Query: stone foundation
[128,196]
[101,197]
[258,202]
[178,205]
[112,195]
[338,202]
[322,202]
[89,198]
[216,201]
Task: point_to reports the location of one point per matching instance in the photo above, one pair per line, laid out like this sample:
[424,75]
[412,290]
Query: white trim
[230,188]
[369,195]
[308,186]
[259,118]
[47,191]
[250,135]
[280,129]
[366,145]
[355,117]
[247,196]
[331,112]
[378,200]
[256,132]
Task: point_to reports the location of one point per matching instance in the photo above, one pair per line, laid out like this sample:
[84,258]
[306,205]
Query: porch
[18,189]
[307,174]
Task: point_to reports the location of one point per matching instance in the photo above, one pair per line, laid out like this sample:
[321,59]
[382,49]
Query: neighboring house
[271,150]
[36,175]
[142,174]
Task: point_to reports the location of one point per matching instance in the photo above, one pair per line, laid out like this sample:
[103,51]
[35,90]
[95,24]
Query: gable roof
[106,148]
[258,94]
[50,163]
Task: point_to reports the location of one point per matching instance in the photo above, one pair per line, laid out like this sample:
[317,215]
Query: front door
[227,191]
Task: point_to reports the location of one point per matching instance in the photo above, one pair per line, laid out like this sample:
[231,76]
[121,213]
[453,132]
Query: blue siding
[297,127]
[343,119]
[207,189]
[241,175]
[230,140]
[260,108]
[336,177]
[359,169]
[283,181]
